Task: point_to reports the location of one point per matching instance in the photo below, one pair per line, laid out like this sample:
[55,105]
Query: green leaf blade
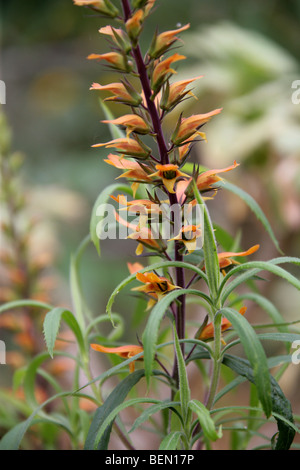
[255,354]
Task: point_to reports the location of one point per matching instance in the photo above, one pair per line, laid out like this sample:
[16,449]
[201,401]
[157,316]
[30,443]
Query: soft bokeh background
[249,55]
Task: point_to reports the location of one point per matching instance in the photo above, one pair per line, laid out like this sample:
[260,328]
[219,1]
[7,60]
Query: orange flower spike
[132,122]
[116,60]
[208,331]
[154,284]
[162,70]
[176,92]
[121,93]
[127,146]
[188,126]
[103,6]
[188,236]
[164,40]
[225,258]
[169,174]
[126,352]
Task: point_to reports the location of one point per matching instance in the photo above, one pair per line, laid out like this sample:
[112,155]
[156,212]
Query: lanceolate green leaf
[114,400]
[145,415]
[184,388]
[252,204]
[256,355]
[79,304]
[13,438]
[151,331]
[113,414]
[24,303]
[206,422]
[116,397]
[251,268]
[264,303]
[51,327]
[96,218]
[171,441]
[280,404]
[212,268]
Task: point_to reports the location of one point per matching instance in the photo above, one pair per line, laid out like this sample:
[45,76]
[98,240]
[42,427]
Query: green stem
[216,361]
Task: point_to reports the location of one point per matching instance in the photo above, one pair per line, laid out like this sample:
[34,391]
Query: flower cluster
[156,172]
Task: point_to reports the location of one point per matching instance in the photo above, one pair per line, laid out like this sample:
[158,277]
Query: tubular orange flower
[204,181]
[132,122]
[126,352]
[169,174]
[103,6]
[207,178]
[121,92]
[144,206]
[176,92]
[162,70]
[225,258]
[188,126]
[208,331]
[127,146]
[188,235]
[154,284]
[135,171]
[164,40]
[142,234]
[122,163]
[116,60]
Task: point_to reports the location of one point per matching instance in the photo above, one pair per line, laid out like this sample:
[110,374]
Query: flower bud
[123,93]
[175,92]
[163,41]
[162,71]
[117,61]
[118,36]
[134,25]
[103,6]
[188,126]
[128,146]
[132,122]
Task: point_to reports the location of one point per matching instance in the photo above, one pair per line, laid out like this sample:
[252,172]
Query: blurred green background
[249,55]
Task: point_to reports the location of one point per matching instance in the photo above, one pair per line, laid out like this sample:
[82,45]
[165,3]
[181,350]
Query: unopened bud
[103,6]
